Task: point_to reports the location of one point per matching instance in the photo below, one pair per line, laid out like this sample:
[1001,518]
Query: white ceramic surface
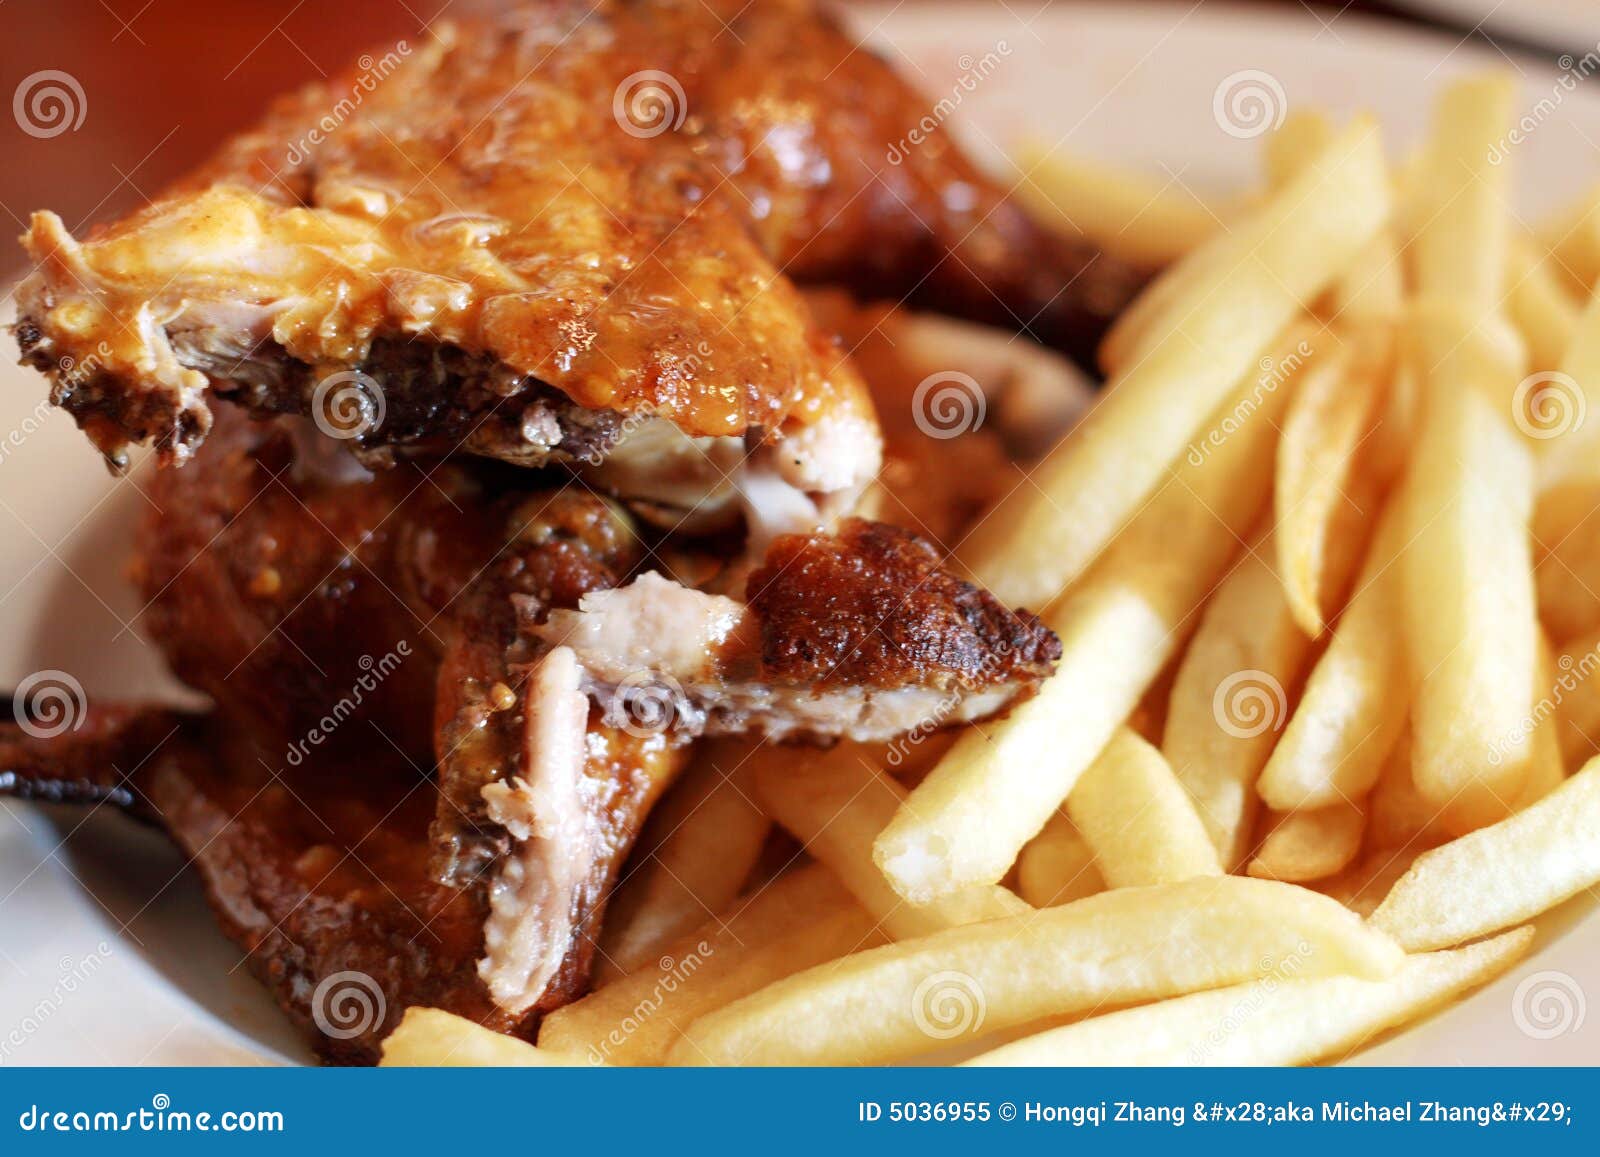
[1135,83]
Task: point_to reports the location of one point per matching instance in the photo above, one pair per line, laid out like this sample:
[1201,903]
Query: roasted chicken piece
[323,608]
[312,869]
[537,233]
[860,634]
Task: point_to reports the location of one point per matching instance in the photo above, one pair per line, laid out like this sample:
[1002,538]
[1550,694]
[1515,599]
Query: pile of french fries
[1325,564]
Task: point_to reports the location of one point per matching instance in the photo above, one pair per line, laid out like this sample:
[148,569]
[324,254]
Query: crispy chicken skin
[535,228]
[323,607]
[313,869]
[861,634]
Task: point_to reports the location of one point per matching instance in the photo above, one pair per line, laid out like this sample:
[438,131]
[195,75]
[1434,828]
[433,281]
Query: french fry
[1287,150]
[1577,694]
[1127,945]
[1468,608]
[1397,815]
[1572,239]
[1137,818]
[800,920]
[1566,535]
[432,1038]
[1462,198]
[998,785]
[1278,1021]
[1371,290]
[1042,537]
[1329,417]
[1560,411]
[1546,765]
[1140,218]
[835,803]
[1310,845]
[1057,866]
[707,833]
[1355,701]
[1230,699]
[1502,874]
[1540,307]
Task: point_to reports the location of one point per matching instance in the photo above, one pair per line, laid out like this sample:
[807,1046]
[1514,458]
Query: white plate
[1132,84]
[1571,26]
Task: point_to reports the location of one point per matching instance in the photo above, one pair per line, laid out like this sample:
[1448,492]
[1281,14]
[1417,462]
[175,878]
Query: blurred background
[162,80]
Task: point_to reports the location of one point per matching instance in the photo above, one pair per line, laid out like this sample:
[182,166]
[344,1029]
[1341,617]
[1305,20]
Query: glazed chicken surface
[540,227]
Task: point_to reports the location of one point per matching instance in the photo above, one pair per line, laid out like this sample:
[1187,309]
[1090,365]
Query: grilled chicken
[861,635]
[313,869]
[322,606]
[540,232]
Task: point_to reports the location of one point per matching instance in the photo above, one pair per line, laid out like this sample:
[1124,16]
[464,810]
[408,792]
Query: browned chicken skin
[420,767]
[538,226]
[322,607]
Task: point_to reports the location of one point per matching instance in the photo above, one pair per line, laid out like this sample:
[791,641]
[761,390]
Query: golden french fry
[1398,815]
[1566,535]
[1140,218]
[1468,608]
[999,784]
[1355,701]
[1127,945]
[835,803]
[1230,699]
[1044,536]
[1288,149]
[1547,768]
[1540,307]
[1502,874]
[1371,290]
[1577,695]
[799,920]
[432,1038]
[1561,413]
[697,851]
[1462,197]
[1135,815]
[1278,1020]
[1310,845]
[1329,417]
[1572,239]
[1057,866]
